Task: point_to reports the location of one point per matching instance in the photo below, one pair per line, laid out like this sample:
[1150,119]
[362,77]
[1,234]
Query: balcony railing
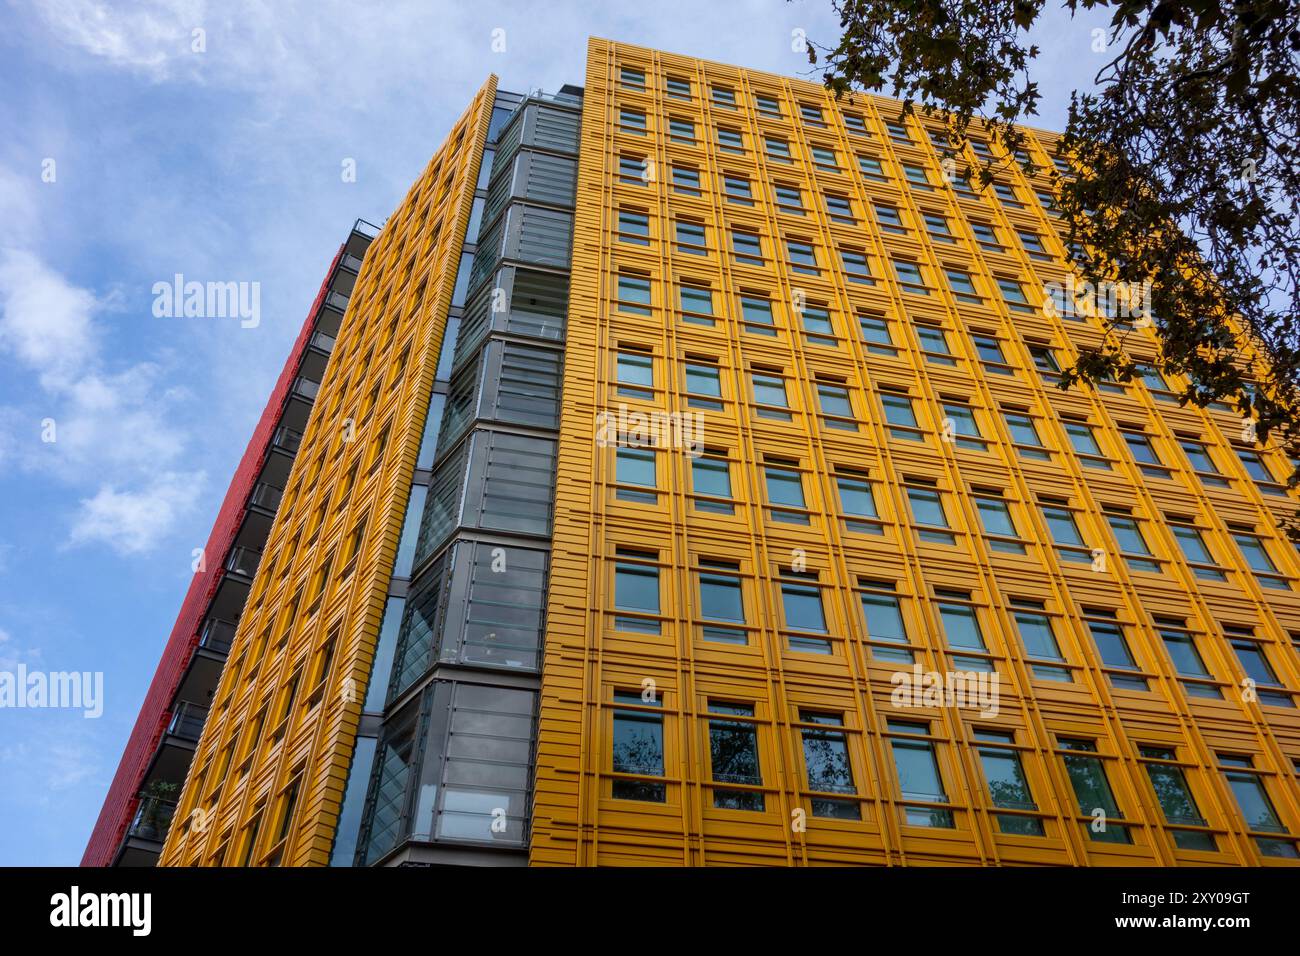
[217,635]
[350,262]
[365,228]
[266,495]
[153,819]
[287,439]
[323,341]
[187,721]
[337,300]
[243,561]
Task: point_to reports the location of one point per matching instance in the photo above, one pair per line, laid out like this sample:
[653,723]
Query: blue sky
[223,165]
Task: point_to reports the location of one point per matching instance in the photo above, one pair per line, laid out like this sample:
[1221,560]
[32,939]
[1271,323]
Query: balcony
[367,229]
[323,342]
[243,561]
[287,439]
[187,721]
[217,635]
[266,496]
[337,300]
[350,262]
[305,388]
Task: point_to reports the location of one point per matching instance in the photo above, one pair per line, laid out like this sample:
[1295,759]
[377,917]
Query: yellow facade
[269,771]
[754,141]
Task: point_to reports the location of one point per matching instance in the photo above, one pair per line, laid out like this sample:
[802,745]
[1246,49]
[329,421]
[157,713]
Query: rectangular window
[919,779]
[789,199]
[711,477]
[934,345]
[871,169]
[778,150]
[898,132]
[746,247]
[857,268]
[631,78]
[703,386]
[825,159]
[999,528]
[1108,636]
[963,287]
[936,227]
[737,189]
[681,131]
[631,121]
[1132,543]
[961,628]
[916,177]
[636,590]
[633,294]
[910,277]
[857,502]
[889,219]
[697,305]
[840,209]
[733,757]
[1092,791]
[633,227]
[768,105]
[1007,785]
[900,417]
[961,428]
[802,257]
[827,764]
[1257,557]
[678,88]
[929,515]
[1254,661]
[638,748]
[1197,553]
[723,96]
[990,353]
[722,604]
[801,602]
[632,170]
[812,115]
[884,622]
[686,180]
[1176,801]
[1198,453]
[770,396]
[987,237]
[875,333]
[1013,295]
[730,140]
[1085,445]
[1039,639]
[690,237]
[816,322]
[1065,534]
[785,495]
[1025,436]
[836,406]
[635,375]
[1257,808]
[635,467]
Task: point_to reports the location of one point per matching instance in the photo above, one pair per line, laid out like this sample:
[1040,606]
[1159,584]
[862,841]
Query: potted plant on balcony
[155,813]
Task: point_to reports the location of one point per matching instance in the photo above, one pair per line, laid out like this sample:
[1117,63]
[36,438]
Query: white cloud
[131,522]
[145,36]
[44,321]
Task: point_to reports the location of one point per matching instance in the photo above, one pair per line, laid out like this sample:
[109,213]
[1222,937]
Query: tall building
[689,485]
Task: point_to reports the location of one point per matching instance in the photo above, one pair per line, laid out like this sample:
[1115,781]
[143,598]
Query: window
[898,132]
[1108,636]
[1085,444]
[934,344]
[631,78]
[697,304]
[871,169]
[1198,453]
[802,257]
[756,313]
[635,374]
[1156,384]
[686,180]
[857,502]
[768,105]
[1256,555]
[633,293]
[1045,361]
[1254,661]
[711,478]
[917,177]
[961,628]
[730,140]
[1005,778]
[1013,295]
[635,467]
[812,115]
[840,209]
[855,123]
[990,353]
[638,748]
[777,149]
[737,189]
[722,604]
[746,247]
[825,159]
[1256,807]
[936,227]
[1065,534]
[1132,543]
[1256,467]
[889,219]
[987,236]
[1144,453]
[769,395]
[929,515]
[1007,194]
[633,227]
[678,88]
[801,604]
[836,406]
[919,780]
[681,130]
[1039,639]
[960,426]
[785,494]
[1176,801]
[632,170]
[631,121]
[789,199]
[703,386]
[1025,436]
[857,268]
[910,277]
[900,416]
[1187,660]
[827,764]
[816,322]
[1032,243]
[1197,553]
[875,333]
[884,622]
[733,756]
[636,590]
[963,287]
[999,528]
[1092,791]
[690,237]
[724,97]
